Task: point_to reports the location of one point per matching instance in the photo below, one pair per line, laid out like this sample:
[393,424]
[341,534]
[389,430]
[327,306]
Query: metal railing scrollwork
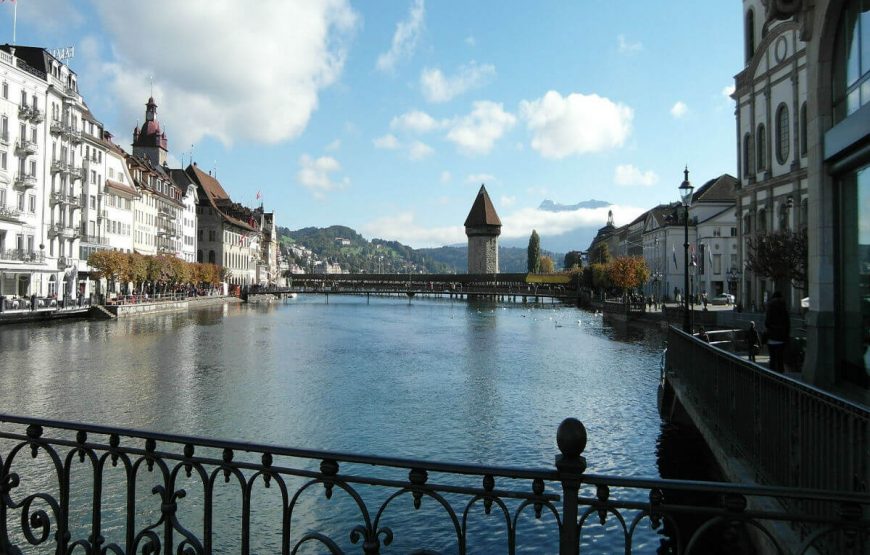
[79,488]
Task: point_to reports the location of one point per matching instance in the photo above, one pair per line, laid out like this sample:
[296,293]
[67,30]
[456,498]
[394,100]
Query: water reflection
[474,382]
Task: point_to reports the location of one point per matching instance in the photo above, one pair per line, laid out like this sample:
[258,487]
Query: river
[432,379]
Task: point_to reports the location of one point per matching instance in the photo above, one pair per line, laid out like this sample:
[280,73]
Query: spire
[482,211]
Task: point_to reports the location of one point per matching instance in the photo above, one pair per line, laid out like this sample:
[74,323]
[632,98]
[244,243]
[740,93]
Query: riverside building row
[68,189]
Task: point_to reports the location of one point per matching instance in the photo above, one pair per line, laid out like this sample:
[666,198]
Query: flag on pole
[259,195]
[674,251]
[694,258]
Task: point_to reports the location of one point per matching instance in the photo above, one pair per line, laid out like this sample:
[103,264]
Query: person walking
[777,328]
[753,341]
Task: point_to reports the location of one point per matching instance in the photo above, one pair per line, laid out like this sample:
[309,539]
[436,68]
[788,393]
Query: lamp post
[685,189]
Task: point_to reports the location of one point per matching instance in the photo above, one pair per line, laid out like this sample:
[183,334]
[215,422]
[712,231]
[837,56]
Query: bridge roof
[482,211]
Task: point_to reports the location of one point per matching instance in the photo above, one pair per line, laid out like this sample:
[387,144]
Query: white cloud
[575,124]
[446,176]
[50,15]
[334,145]
[679,109]
[477,132]
[480,178]
[416,121]
[626,47]
[387,142]
[507,201]
[628,175]
[404,39]
[403,228]
[728,91]
[523,221]
[439,88]
[471,41]
[316,174]
[208,87]
[418,150]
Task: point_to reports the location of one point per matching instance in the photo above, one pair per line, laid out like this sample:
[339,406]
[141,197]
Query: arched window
[750,35]
[761,150]
[803,129]
[747,155]
[805,213]
[761,224]
[782,133]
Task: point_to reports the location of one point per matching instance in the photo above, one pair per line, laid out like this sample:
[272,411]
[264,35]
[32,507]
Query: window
[854,310]
[761,153]
[747,155]
[93,201]
[750,35]
[717,264]
[5,90]
[733,232]
[23,97]
[2,198]
[21,202]
[762,220]
[851,68]
[31,203]
[782,134]
[4,128]
[30,243]
[3,160]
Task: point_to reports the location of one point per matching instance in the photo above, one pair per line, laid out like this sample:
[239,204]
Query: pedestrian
[753,341]
[777,328]
[702,335]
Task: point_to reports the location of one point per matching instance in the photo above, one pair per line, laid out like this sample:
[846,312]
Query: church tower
[150,141]
[482,227]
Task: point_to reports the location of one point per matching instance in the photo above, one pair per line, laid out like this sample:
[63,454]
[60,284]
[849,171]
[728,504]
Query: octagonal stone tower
[482,227]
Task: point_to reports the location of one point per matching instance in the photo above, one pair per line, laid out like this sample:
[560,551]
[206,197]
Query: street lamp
[686,197]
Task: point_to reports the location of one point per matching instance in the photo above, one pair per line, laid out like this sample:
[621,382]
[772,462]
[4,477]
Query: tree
[600,278]
[780,256]
[627,272]
[546,265]
[601,254]
[573,260]
[534,253]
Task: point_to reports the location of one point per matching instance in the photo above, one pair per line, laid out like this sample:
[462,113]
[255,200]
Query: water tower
[482,227]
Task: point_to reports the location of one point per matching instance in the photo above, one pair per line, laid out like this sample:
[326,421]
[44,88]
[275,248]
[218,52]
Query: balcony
[10,214]
[63,198]
[70,93]
[23,146]
[59,166]
[62,231]
[24,181]
[24,112]
[167,213]
[57,127]
[21,255]
[75,173]
[63,263]
[4,138]
[37,115]
[72,135]
[95,240]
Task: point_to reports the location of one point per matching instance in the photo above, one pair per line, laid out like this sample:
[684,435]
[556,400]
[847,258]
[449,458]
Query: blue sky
[387,116]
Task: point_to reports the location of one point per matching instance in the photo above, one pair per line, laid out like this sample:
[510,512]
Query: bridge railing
[791,433]
[84,488]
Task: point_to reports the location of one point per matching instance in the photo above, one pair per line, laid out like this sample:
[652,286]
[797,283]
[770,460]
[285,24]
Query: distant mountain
[551,206]
[510,259]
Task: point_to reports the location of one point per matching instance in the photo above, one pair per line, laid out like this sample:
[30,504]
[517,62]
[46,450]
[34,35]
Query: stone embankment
[138,309]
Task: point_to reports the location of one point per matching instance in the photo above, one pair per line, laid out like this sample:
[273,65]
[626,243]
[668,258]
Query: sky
[387,116]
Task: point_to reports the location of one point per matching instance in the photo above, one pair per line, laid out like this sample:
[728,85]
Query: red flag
[259,196]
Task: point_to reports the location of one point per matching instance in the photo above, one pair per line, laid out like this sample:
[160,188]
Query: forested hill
[344,245]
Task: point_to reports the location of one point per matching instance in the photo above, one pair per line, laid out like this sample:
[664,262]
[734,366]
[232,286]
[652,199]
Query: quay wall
[127,310]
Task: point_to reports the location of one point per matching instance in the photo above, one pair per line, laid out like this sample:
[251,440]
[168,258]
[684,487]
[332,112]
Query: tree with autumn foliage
[627,272]
[546,265]
[780,256]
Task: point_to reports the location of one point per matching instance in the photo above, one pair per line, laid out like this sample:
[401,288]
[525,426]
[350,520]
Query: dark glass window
[761,151]
[851,86]
[750,35]
[803,129]
[782,134]
[747,155]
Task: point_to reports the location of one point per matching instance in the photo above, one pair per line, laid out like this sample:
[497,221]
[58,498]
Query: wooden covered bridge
[504,287]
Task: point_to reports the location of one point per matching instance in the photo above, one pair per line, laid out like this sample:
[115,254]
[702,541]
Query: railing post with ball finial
[571,439]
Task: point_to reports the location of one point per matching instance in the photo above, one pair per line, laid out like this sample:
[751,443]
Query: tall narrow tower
[482,227]
[150,141]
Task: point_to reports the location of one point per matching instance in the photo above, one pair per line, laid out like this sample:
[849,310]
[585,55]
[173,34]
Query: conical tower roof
[482,211]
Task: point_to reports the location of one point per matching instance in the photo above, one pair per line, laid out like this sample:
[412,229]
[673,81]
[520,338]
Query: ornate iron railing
[93,489]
